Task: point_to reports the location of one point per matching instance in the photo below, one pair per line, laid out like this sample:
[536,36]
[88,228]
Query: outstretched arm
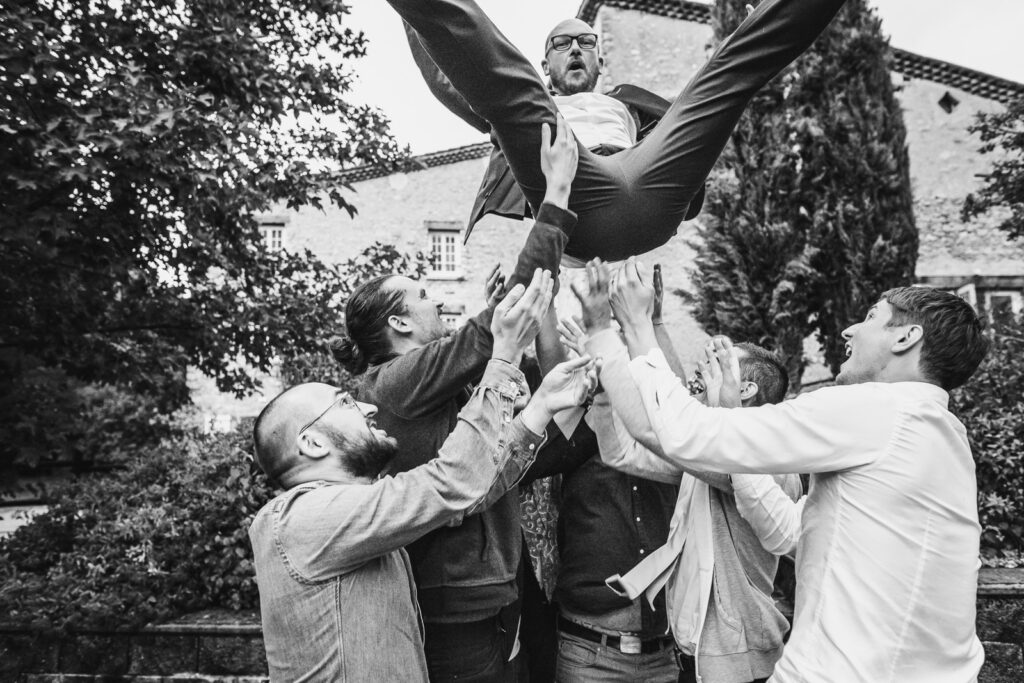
[660,332]
[484,456]
[418,382]
[773,512]
[817,432]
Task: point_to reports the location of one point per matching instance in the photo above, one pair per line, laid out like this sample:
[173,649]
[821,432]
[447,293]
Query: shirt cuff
[526,437]
[563,219]
[503,377]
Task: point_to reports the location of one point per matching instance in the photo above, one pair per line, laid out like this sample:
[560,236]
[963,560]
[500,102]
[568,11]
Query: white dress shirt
[887,562]
[597,119]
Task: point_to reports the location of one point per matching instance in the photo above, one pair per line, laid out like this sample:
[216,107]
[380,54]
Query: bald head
[276,430]
[570,27]
[316,431]
[573,68]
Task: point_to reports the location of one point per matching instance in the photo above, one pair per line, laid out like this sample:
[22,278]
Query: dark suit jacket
[499,193]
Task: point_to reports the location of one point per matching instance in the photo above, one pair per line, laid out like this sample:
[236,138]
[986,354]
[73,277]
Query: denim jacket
[336,593]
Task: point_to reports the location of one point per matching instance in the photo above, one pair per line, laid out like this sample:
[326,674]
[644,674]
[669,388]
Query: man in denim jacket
[336,593]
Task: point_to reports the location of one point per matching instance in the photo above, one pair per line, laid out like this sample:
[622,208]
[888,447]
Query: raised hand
[711,374]
[593,297]
[632,295]
[558,159]
[517,318]
[572,336]
[569,384]
[659,294]
[494,288]
[729,396]
[720,370]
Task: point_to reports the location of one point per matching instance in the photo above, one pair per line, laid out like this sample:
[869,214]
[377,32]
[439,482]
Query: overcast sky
[979,34]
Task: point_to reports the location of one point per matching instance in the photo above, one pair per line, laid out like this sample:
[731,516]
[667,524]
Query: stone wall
[228,647]
[662,54]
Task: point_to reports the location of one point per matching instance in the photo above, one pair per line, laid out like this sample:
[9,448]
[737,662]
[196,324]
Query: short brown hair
[954,341]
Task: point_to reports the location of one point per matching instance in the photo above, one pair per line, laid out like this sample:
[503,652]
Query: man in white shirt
[887,561]
[634,199]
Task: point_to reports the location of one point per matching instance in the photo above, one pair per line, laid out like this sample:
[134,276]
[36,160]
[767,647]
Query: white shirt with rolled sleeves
[887,562]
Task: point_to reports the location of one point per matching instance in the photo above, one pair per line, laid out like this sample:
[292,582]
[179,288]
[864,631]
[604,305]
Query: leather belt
[630,645]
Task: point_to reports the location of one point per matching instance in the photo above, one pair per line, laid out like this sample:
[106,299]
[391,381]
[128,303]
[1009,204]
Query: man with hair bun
[337,599]
[419,376]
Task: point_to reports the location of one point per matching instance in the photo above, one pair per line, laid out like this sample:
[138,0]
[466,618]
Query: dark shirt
[609,521]
[466,572]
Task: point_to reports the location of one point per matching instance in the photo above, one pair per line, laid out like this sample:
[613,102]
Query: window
[452,315]
[948,103]
[1002,303]
[273,236]
[445,247]
[969,294]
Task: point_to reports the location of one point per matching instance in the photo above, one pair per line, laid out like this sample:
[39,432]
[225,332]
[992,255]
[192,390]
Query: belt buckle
[630,645]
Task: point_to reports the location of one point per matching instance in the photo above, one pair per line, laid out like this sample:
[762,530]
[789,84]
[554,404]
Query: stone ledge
[998,582]
[175,678]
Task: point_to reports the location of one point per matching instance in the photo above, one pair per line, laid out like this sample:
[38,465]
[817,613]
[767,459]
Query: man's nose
[848,332]
[367,409]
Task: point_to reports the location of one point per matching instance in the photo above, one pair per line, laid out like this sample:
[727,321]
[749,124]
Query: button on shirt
[608,521]
[887,563]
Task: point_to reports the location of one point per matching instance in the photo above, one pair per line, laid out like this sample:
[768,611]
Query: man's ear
[748,390]
[313,444]
[399,325]
[910,336]
[544,67]
[600,62]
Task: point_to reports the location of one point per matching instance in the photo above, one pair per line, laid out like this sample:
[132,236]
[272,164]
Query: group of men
[398,552]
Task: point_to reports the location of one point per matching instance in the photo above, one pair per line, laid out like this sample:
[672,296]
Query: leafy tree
[164,533]
[319,365]
[990,407]
[1002,132]
[138,142]
[164,536]
[810,211]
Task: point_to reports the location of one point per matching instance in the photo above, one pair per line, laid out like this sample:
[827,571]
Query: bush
[990,407]
[163,536]
[48,417]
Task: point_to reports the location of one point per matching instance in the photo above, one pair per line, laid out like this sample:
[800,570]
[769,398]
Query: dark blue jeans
[473,652]
[632,201]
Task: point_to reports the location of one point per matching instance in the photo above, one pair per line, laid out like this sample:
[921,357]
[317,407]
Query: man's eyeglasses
[343,399]
[562,42]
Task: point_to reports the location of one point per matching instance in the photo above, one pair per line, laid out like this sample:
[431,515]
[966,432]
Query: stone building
[658,44]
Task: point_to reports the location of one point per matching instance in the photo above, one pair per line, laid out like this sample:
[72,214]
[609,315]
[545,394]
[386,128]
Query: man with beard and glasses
[630,196]
[336,593]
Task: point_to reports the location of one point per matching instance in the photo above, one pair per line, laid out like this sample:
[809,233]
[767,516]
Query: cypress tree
[809,215]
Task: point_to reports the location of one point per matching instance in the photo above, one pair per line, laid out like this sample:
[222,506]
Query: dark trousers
[473,652]
[632,201]
[538,634]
